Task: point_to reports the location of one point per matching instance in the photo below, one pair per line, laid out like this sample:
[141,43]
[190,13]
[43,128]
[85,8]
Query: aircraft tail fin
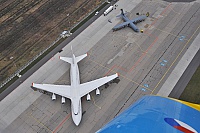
[122,13]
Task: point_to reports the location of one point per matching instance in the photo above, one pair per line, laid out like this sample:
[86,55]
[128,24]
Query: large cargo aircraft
[128,22]
[155,114]
[76,90]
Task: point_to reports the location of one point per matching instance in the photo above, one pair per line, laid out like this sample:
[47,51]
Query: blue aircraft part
[143,89]
[154,114]
[134,27]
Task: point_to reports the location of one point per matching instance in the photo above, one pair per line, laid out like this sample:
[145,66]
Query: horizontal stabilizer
[66,59]
[118,16]
[79,58]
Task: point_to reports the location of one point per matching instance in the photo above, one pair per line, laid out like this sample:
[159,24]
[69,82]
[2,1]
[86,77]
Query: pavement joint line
[62,122]
[30,115]
[95,102]
[142,49]
[169,33]
[120,75]
[131,69]
[138,61]
[155,20]
[174,10]
[175,59]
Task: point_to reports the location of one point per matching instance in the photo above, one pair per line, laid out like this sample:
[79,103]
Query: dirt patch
[29,26]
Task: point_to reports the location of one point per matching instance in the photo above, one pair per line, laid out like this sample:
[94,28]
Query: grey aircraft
[128,22]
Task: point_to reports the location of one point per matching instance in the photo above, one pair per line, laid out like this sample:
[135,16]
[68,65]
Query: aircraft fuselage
[131,25]
[76,108]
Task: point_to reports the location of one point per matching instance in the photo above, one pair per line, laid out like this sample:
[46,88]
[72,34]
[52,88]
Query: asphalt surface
[51,54]
[143,61]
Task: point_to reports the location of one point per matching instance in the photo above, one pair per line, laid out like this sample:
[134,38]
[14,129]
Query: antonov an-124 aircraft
[76,90]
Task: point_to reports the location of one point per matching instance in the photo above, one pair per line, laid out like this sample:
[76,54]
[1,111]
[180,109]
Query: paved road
[50,55]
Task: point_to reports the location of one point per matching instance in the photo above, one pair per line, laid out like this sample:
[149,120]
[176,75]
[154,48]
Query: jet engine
[97,92]
[88,97]
[53,97]
[63,100]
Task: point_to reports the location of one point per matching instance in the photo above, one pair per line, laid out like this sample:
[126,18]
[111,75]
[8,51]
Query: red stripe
[183,129]
[61,123]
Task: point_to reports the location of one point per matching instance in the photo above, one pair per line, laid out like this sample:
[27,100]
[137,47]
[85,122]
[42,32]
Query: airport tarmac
[143,61]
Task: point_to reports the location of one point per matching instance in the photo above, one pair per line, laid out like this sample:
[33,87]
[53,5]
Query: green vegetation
[86,19]
[42,56]
[8,84]
[192,90]
[50,49]
[31,65]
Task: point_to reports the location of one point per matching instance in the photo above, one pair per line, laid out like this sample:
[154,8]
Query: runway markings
[174,11]
[141,48]
[95,102]
[143,89]
[141,57]
[181,38]
[146,85]
[175,60]
[30,115]
[62,122]
[169,7]
[134,42]
[136,63]
[155,20]
[163,63]
[111,70]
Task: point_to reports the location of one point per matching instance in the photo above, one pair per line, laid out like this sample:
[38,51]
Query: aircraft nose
[77,122]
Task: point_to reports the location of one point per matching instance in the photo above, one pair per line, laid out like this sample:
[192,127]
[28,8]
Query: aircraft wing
[136,20]
[86,88]
[62,90]
[119,26]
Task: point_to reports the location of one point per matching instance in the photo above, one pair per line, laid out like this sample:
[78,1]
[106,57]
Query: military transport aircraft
[128,22]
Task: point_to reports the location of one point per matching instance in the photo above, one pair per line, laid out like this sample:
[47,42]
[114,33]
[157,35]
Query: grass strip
[8,84]
[192,90]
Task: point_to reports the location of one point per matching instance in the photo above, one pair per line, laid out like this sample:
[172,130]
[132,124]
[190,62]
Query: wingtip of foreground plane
[117,74]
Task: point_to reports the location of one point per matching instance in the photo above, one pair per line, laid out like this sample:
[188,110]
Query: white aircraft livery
[76,90]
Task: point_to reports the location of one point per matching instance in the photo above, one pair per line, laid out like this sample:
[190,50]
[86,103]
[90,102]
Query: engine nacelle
[88,97]
[97,91]
[53,97]
[62,100]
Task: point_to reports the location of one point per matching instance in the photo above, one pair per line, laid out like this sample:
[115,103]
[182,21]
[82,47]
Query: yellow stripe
[192,105]
[175,60]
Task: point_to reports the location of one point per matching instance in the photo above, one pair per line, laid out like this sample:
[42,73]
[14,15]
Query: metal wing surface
[135,20]
[62,90]
[121,25]
[86,88]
